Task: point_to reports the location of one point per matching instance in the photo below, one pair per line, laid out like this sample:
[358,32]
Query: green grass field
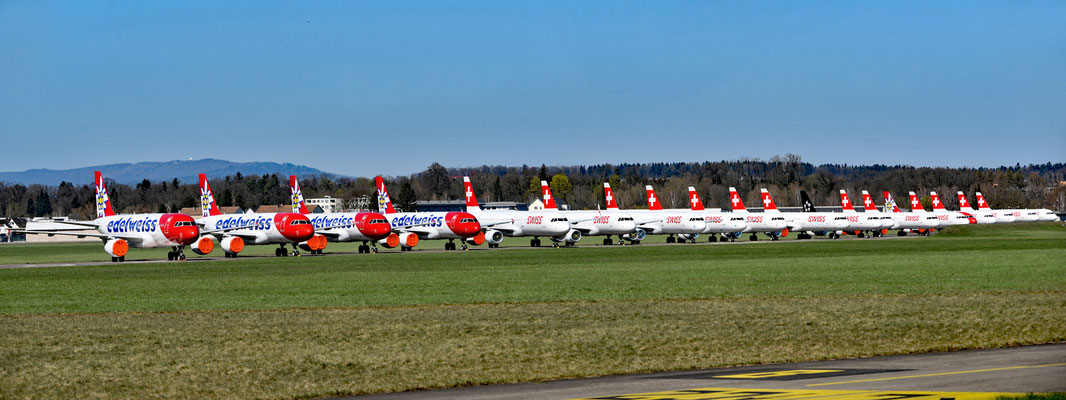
[364,323]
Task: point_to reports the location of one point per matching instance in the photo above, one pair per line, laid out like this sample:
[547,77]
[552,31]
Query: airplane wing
[128,238]
[222,230]
[421,231]
[648,221]
[407,228]
[78,223]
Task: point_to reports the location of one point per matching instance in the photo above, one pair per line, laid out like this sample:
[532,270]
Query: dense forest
[1018,186]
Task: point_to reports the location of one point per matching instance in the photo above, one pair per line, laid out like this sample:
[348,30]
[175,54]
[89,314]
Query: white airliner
[770,221]
[871,209]
[367,227]
[810,222]
[234,231]
[730,225]
[859,224]
[515,223]
[983,217]
[917,221]
[607,223]
[946,218]
[1019,214]
[1002,216]
[684,223]
[449,225]
[119,232]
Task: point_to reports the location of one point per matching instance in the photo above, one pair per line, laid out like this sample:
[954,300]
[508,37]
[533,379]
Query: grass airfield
[349,324]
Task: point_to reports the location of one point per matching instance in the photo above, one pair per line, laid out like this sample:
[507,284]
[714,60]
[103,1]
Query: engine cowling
[571,237]
[203,245]
[688,236]
[408,239]
[476,240]
[316,242]
[232,244]
[636,235]
[117,247]
[493,236]
[391,241]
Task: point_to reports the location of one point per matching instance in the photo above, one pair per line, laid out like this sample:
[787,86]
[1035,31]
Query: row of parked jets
[313,231]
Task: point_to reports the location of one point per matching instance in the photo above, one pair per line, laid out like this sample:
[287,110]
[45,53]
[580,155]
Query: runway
[962,375]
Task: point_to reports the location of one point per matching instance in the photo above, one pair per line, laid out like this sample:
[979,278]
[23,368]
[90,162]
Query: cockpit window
[840,218]
[378,221]
[695,219]
[466,220]
[737,219]
[777,219]
[184,223]
[560,220]
[625,219]
[299,222]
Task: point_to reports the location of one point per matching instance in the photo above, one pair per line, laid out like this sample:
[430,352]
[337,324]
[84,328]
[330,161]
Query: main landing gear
[281,252]
[534,242]
[753,238]
[451,245]
[120,259]
[178,254]
[365,248]
[670,239]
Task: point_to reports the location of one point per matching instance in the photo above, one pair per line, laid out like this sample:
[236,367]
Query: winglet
[103,201]
[298,205]
[208,207]
[734,199]
[653,201]
[546,195]
[607,195]
[471,200]
[937,204]
[694,199]
[384,202]
[767,201]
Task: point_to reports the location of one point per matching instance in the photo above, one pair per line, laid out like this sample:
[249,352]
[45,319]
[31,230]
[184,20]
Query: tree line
[579,186]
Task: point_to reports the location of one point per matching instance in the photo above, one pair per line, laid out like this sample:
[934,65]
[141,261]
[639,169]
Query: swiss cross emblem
[914,202]
[868,201]
[609,197]
[962,201]
[736,199]
[547,195]
[469,193]
[981,202]
[766,201]
[651,198]
[695,200]
[936,201]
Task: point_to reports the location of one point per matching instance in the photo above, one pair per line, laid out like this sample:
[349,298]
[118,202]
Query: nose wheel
[177,255]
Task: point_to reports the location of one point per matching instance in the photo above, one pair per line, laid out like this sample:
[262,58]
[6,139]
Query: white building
[54,224]
[327,203]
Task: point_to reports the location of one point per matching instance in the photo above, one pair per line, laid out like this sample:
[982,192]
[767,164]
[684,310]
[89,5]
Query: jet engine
[476,240]
[203,245]
[635,236]
[315,243]
[232,244]
[494,237]
[688,236]
[571,237]
[406,239]
[117,247]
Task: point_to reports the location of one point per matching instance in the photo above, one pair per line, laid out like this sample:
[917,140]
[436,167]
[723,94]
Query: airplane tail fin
[734,199]
[607,195]
[890,204]
[937,204]
[103,201]
[808,205]
[208,206]
[546,196]
[916,206]
[384,201]
[768,202]
[868,202]
[963,203]
[298,205]
[981,203]
[471,200]
[694,199]
[845,202]
[653,201]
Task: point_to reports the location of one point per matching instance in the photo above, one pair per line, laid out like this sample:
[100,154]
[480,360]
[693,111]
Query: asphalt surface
[971,374]
[426,249]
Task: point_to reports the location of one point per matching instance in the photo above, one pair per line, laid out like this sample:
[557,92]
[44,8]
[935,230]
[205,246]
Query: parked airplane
[429,225]
[952,217]
[771,223]
[684,223]
[515,223]
[983,217]
[119,232]
[730,225]
[859,224]
[1002,216]
[234,231]
[607,223]
[871,209]
[811,222]
[917,221]
[367,227]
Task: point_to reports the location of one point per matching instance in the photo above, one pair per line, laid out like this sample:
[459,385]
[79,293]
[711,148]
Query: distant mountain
[185,171]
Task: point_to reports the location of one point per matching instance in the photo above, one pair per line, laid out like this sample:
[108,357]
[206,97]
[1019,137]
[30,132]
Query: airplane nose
[469,229]
[380,231]
[299,233]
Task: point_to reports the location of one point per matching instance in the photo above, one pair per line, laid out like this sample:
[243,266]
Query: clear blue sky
[367,87]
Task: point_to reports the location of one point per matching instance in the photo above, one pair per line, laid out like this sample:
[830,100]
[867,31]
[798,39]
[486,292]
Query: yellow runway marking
[774,374]
[787,394]
[937,374]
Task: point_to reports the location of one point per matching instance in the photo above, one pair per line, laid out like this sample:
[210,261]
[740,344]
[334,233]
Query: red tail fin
[298,205]
[981,203]
[208,207]
[963,204]
[845,202]
[734,199]
[937,204]
[607,195]
[546,194]
[103,201]
[468,190]
[384,201]
[653,201]
[868,202]
[916,206]
[694,199]
[767,201]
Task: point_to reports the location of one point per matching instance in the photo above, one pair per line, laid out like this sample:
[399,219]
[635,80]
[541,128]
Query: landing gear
[802,236]
[712,239]
[753,238]
[535,242]
[774,238]
[901,233]
[834,235]
[118,259]
[494,245]
[670,239]
[177,255]
[229,255]
[365,248]
[607,241]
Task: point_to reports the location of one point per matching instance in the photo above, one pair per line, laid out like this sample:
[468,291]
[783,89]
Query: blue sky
[367,87]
